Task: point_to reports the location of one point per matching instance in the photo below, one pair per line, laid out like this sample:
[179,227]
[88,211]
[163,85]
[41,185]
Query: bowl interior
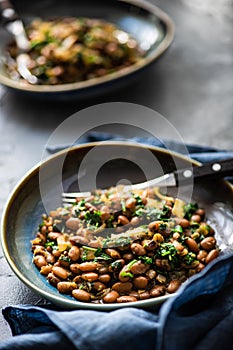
[24,209]
[151,27]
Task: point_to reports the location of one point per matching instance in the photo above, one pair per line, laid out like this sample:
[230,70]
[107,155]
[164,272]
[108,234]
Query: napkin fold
[199,316]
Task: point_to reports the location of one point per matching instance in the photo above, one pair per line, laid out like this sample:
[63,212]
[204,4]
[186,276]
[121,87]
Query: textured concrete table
[191,85]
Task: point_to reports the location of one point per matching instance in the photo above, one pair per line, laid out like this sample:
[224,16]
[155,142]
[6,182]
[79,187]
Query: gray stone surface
[191,85]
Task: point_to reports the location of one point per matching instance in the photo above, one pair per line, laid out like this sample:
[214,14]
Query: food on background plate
[119,247]
[68,50]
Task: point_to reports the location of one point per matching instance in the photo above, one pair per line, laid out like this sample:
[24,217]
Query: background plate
[151,27]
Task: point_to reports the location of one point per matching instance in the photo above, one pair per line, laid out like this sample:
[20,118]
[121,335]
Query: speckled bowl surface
[23,211]
[151,27]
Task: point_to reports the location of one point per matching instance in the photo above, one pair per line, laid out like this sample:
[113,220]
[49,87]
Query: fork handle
[206,171]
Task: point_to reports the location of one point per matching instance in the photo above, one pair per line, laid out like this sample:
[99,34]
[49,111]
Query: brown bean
[123,276]
[138,268]
[54,280]
[105,215]
[66,287]
[179,247]
[56,253]
[200,212]
[126,299]
[192,244]
[111,297]
[135,221]
[157,291]
[60,272]
[88,266]
[154,226]
[81,295]
[73,223]
[202,255]
[195,218]
[90,276]
[123,220]
[79,240]
[39,261]
[130,203]
[173,286]
[75,268]
[208,243]
[184,223]
[54,235]
[199,267]
[94,244]
[144,200]
[50,258]
[45,270]
[98,286]
[104,278]
[103,270]
[74,253]
[140,282]
[211,256]
[176,235]
[143,295]
[138,249]
[43,229]
[122,287]
[134,294]
[113,253]
[127,256]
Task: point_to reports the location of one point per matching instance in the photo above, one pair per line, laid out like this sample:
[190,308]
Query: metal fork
[14,25]
[179,177]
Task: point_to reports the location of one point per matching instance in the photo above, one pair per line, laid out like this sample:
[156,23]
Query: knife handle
[205,171]
[7,11]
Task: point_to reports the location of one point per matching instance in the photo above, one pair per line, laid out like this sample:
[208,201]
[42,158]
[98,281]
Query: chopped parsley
[178,229]
[100,255]
[189,210]
[139,202]
[146,259]
[93,219]
[168,251]
[190,258]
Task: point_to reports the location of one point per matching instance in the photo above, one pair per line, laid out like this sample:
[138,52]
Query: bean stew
[68,50]
[119,247]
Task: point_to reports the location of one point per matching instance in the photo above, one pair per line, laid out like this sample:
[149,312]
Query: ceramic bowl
[151,27]
[23,211]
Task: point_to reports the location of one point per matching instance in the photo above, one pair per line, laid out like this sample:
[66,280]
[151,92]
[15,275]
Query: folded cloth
[199,153]
[199,316]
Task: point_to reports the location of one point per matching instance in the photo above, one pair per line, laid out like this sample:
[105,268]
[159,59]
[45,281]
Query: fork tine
[75,195]
[68,200]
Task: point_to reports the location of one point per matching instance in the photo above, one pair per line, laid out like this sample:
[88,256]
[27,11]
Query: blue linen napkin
[199,316]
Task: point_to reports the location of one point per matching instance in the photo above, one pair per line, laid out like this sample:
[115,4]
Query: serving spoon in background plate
[14,25]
